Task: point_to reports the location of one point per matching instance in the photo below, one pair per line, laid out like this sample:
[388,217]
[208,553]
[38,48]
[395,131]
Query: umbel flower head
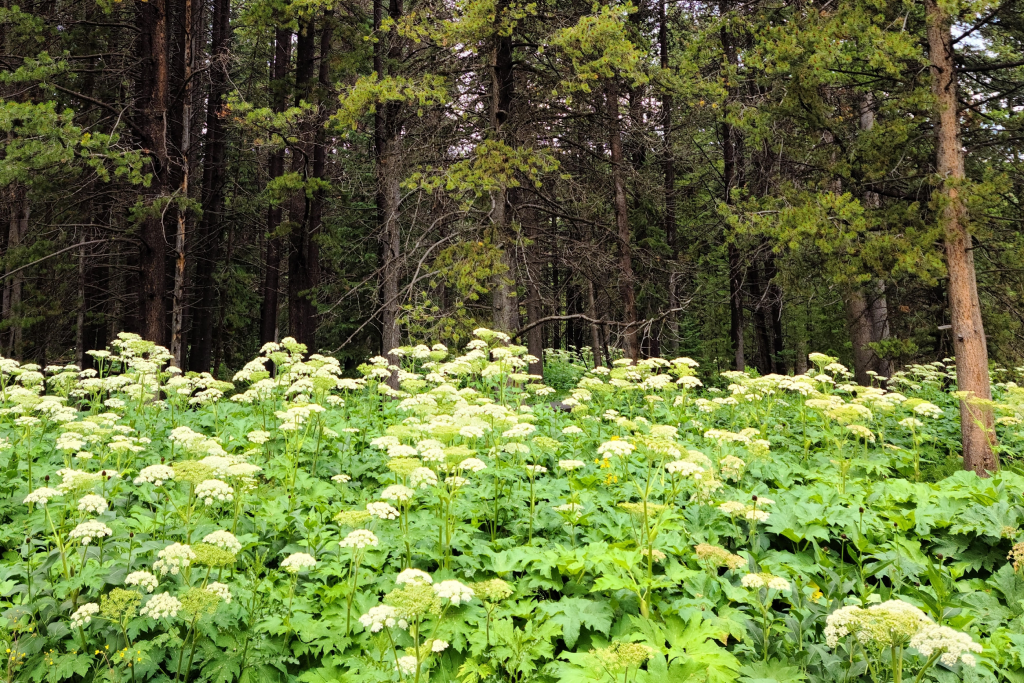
[359,539]
[716,556]
[298,562]
[84,614]
[211,491]
[381,616]
[42,496]
[888,624]
[173,559]
[765,580]
[454,591]
[120,603]
[143,580]
[492,590]
[86,531]
[223,539]
[155,475]
[161,605]
[413,600]
[97,505]
[621,656]
[413,575]
[954,645]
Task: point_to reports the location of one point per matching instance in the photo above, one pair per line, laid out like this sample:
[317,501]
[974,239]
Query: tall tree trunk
[534,304]
[976,421]
[214,172]
[300,306]
[272,277]
[151,92]
[866,308]
[387,149]
[314,224]
[630,347]
[729,180]
[178,300]
[14,284]
[595,328]
[503,293]
[669,170]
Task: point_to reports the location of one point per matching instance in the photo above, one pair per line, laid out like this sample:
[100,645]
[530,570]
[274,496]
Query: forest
[742,182]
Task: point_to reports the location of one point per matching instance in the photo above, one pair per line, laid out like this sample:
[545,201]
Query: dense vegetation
[740,182]
[661,523]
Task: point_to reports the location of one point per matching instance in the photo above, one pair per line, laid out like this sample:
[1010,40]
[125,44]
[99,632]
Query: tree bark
[626,277]
[866,307]
[178,300]
[300,305]
[669,170]
[534,304]
[13,285]
[151,107]
[388,162]
[272,276]
[212,193]
[729,174]
[503,293]
[976,421]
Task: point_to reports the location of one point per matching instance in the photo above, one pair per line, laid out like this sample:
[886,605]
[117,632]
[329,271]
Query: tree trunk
[14,284]
[151,107]
[272,277]
[387,151]
[669,170]
[178,301]
[534,304]
[214,171]
[626,277]
[595,328]
[866,308]
[736,322]
[300,306]
[314,223]
[976,421]
[503,294]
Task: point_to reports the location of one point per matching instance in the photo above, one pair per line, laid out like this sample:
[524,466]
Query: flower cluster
[214,490]
[87,531]
[173,559]
[298,562]
[454,591]
[161,605]
[359,539]
[84,614]
[765,580]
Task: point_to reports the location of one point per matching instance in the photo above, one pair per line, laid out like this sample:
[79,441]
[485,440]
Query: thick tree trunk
[272,276]
[503,294]
[214,171]
[151,94]
[866,308]
[388,150]
[630,346]
[314,223]
[669,170]
[976,421]
[300,305]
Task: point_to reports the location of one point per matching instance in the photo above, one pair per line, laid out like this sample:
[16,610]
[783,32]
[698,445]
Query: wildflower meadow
[455,519]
